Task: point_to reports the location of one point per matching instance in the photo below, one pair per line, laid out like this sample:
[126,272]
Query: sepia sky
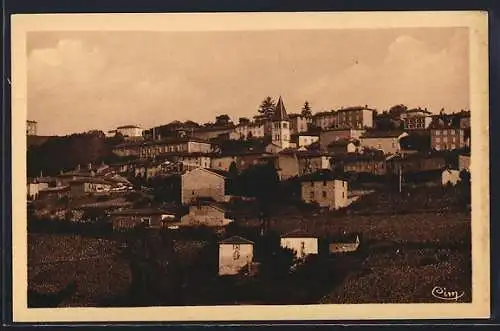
[78,81]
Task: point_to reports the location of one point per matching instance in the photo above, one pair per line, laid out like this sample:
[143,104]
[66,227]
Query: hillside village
[257,201]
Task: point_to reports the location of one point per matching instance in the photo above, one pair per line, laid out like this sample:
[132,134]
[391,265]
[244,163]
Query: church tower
[281,126]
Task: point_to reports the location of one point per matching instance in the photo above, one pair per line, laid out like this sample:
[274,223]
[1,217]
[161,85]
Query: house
[324,188]
[82,186]
[149,217]
[303,139]
[249,130]
[450,176]
[464,162]
[298,123]
[31,128]
[416,119]
[129,131]
[223,162]
[301,242]
[355,117]
[325,119]
[57,192]
[186,145]
[235,254]
[312,161]
[386,141]
[147,169]
[331,135]
[33,189]
[285,163]
[189,161]
[415,162]
[127,149]
[206,214]
[213,131]
[343,146]
[344,244]
[446,134]
[202,183]
[371,163]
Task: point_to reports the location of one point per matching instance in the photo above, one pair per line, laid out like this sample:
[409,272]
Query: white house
[131,131]
[450,176]
[388,142]
[235,253]
[202,183]
[301,242]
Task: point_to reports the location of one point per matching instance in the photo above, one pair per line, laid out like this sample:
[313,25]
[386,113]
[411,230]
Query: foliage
[222,119]
[306,110]
[267,107]
[416,141]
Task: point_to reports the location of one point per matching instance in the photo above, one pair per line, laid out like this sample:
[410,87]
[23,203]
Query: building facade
[388,142]
[204,214]
[301,242]
[31,128]
[447,138]
[129,131]
[235,253]
[298,123]
[329,136]
[324,190]
[202,183]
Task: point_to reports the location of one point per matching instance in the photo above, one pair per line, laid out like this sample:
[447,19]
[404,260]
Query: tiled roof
[298,234]
[280,111]
[145,211]
[322,175]
[382,134]
[236,240]
[128,127]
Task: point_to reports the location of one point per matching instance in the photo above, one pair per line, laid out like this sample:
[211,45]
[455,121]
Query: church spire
[280,111]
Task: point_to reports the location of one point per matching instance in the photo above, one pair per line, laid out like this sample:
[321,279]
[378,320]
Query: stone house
[298,123]
[344,244]
[325,188]
[202,183]
[235,254]
[57,192]
[83,186]
[342,146]
[331,135]
[388,142]
[313,161]
[205,214]
[371,163]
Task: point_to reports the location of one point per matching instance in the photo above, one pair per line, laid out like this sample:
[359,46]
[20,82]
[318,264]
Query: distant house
[272,148]
[313,161]
[33,189]
[446,134]
[150,218]
[324,188]
[416,162]
[371,163]
[357,117]
[285,163]
[223,162]
[344,244]
[235,253]
[82,186]
[450,176]
[31,128]
[185,145]
[303,139]
[416,119]
[331,135]
[189,161]
[301,242]
[129,131]
[249,130]
[202,183]
[298,123]
[205,214]
[342,146]
[213,131]
[388,142]
[464,162]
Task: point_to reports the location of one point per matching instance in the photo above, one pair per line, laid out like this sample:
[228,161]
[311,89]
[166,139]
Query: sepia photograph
[277,162]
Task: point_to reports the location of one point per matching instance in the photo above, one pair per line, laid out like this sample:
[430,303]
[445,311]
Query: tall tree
[267,107]
[306,110]
[223,119]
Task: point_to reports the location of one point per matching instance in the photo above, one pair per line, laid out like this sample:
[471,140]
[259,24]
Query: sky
[79,81]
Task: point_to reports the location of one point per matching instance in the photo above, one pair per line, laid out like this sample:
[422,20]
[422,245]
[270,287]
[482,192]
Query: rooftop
[144,211]
[280,111]
[382,134]
[236,240]
[322,175]
[299,234]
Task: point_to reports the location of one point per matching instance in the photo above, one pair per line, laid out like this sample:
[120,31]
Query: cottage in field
[344,244]
[235,254]
[149,217]
[202,183]
[325,188]
[301,242]
[206,214]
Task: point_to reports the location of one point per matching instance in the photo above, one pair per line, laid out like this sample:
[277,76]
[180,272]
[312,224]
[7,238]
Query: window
[312,195]
[324,183]
[146,221]
[445,132]
[324,194]
[343,195]
[285,125]
[236,252]
[312,184]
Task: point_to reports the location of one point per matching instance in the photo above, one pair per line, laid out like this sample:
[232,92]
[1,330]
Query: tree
[267,107]
[222,119]
[397,110]
[306,110]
